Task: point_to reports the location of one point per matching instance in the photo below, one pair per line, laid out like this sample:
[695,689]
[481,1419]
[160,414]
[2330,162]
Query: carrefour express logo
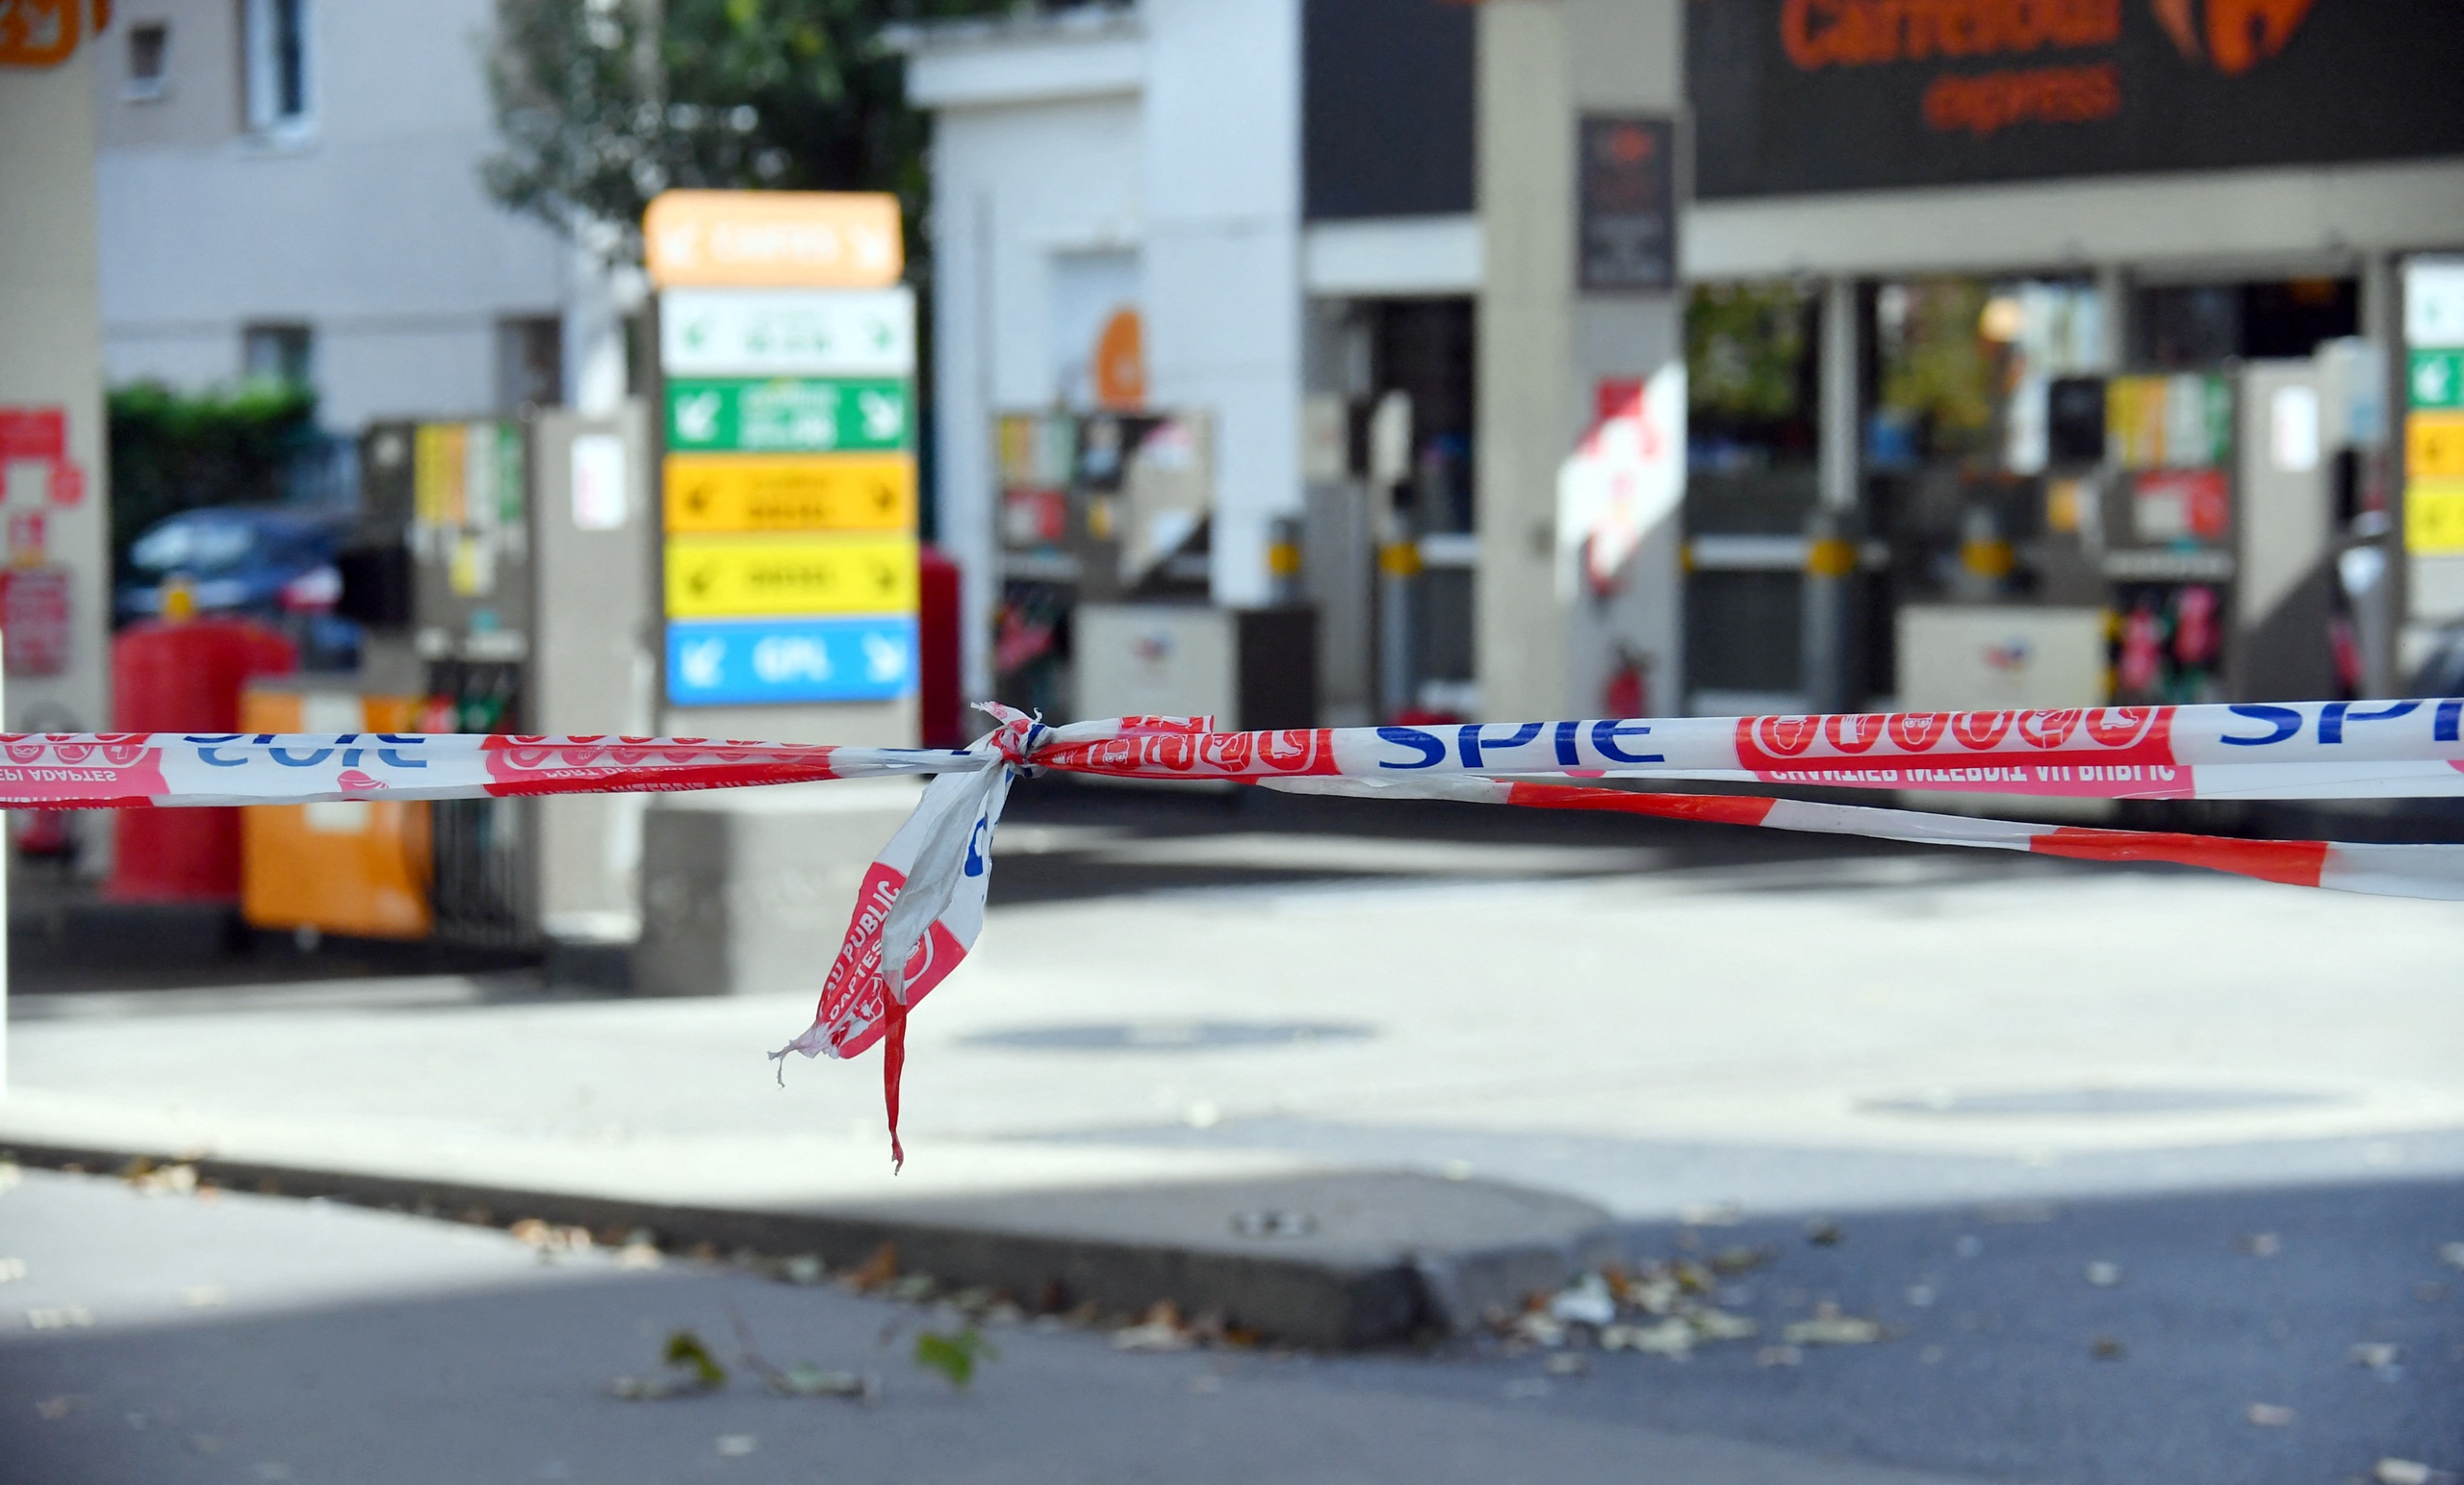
[2230,35]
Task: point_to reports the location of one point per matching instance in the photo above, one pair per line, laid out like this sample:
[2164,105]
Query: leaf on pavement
[954,1356]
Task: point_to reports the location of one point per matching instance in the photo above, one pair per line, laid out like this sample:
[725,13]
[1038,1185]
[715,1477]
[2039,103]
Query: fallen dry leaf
[1159,1329]
[1670,1336]
[2377,1355]
[1830,1327]
[874,1272]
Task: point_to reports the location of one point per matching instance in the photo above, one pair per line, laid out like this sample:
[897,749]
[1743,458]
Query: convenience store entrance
[2067,491]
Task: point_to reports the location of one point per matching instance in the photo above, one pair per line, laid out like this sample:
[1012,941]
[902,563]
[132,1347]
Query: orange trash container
[339,867]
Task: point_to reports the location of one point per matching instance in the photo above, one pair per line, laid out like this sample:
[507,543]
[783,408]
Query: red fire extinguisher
[1629,692]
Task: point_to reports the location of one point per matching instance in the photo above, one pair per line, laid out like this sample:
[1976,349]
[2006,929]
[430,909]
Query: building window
[149,62]
[278,353]
[2199,327]
[531,363]
[275,37]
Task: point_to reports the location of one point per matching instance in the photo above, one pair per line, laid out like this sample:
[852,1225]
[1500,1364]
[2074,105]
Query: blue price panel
[867,657]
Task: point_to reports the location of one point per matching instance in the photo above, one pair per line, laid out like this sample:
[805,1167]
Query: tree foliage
[1745,348]
[603,104]
[173,451]
[1937,365]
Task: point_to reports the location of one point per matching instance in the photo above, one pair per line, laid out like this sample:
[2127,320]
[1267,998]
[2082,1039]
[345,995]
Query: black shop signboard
[1814,96]
[1625,196]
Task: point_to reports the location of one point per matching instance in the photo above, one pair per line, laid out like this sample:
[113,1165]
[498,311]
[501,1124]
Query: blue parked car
[270,563]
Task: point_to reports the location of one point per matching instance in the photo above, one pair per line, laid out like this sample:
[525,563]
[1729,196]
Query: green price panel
[802,414]
[2435,378]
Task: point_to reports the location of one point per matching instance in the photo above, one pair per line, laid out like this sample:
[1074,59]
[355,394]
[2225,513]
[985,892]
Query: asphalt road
[247,1339]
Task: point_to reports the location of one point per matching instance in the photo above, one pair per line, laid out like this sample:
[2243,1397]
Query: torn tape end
[812,1043]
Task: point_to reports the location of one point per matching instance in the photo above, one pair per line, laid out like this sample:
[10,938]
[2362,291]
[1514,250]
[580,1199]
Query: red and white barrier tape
[921,906]
[2435,871]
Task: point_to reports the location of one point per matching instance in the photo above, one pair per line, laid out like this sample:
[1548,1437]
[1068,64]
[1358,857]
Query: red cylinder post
[185,678]
[943,703]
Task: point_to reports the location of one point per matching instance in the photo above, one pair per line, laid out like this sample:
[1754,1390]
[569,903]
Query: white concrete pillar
[1221,263]
[1528,414]
[2112,304]
[1545,348]
[51,359]
[1831,560]
[2380,632]
[599,300]
[965,396]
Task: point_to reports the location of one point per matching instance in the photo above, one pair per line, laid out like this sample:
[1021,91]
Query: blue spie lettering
[2333,716]
[1432,751]
[1471,741]
[393,756]
[2284,719]
[1604,736]
[1567,755]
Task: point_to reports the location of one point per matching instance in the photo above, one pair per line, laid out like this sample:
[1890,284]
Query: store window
[1964,370]
[1750,372]
[276,83]
[2188,328]
[1752,443]
[284,353]
[149,62]
[1977,479]
[531,362]
[1422,350]
[1967,412]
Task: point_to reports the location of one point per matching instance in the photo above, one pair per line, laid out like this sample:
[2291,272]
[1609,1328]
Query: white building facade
[1172,155]
[291,187]
[1150,155]
[1319,205]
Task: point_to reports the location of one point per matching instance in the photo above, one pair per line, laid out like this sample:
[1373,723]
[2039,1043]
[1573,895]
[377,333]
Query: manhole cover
[1168,1036]
[2095,1102]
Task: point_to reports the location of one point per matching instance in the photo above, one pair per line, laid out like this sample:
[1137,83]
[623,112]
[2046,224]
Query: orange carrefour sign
[44,33]
[774,238]
[2238,34]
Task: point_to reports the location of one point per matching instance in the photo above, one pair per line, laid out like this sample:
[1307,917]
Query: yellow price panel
[718,493]
[753,576]
[2435,446]
[2434,518]
[439,472]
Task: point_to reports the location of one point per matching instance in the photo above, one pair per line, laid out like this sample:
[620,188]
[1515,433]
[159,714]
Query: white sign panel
[788,332]
[2293,429]
[2434,301]
[1626,477]
[599,482]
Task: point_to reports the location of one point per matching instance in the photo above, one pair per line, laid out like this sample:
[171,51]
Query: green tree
[1744,348]
[1938,368]
[173,451]
[603,104]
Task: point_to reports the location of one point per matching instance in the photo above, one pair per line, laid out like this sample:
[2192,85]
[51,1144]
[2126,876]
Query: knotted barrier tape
[920,908]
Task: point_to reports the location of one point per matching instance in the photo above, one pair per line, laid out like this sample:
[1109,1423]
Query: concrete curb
[1346,1259]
